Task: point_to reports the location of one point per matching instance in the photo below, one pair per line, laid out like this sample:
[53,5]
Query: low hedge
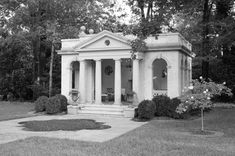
[40,104]
[146,109]
[167,107]
[63,102]
[53,106]
[162,104]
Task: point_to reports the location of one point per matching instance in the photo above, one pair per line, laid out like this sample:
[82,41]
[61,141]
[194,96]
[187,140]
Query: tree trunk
[51,70]
[205,39]
[202,119]
[39,60]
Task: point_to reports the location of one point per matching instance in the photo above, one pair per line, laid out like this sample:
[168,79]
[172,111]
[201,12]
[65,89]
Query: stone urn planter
[129,112]
[74,96]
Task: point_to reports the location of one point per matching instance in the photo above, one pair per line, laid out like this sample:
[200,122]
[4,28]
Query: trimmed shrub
[63,102]
[53,106]
[146,109]
[40,104]
[162,104]
[175,102]
[10,96]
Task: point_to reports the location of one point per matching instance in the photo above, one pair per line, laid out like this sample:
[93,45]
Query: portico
[101,69]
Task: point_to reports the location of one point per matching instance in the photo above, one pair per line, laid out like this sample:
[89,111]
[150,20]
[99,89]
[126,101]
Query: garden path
[11,130]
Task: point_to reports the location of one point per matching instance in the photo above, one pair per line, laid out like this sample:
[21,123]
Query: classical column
[66,78]
[135,78]
[117,83]
[82,82]
[190,71]
[183,79]
[186,78]
[98,89]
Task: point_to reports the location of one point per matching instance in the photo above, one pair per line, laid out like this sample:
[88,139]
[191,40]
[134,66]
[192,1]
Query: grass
[157,138]
[66,125]
[14,110]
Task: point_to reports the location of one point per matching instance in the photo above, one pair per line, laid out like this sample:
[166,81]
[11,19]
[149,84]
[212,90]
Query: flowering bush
[199,95]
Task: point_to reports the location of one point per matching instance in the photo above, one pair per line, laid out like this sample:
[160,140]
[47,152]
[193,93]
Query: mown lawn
[158,137]
[14,110]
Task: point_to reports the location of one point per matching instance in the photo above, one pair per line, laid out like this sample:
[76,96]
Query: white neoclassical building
[100,68]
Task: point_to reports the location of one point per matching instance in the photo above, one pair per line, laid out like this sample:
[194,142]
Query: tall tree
[153,15]
[33,18]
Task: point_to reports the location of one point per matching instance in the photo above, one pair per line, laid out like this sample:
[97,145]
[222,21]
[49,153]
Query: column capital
[97,59]
[117,59]
[81,60]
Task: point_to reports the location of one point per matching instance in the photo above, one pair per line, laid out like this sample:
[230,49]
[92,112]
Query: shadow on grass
[65,125]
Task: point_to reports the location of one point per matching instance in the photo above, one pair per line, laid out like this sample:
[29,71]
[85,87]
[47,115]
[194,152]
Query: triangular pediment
[105,40]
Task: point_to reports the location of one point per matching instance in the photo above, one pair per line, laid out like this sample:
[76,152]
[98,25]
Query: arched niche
[159,67]
[75,68]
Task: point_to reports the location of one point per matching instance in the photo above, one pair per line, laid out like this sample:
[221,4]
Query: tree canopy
[31,31]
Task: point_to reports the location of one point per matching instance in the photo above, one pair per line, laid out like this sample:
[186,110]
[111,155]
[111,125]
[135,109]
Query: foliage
[38,90]
[15,65]
[1,97]
[146,109]
[200,94]
[63,101]
[175,102]
[137,45]
[29,29]
[53,106]
[10,96]
[40,103]
[161,102]
[152,15]
[199,97]
[208,24]
[167,107]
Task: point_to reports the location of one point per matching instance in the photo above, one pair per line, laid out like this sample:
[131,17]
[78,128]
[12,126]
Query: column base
[98,103]
[117,103]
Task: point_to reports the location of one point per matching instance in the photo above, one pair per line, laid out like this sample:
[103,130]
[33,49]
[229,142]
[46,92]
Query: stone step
[103,106]
[116,110]
[103,109]
[101,112]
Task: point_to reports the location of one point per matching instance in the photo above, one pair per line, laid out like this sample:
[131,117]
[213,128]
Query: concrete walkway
[12,131]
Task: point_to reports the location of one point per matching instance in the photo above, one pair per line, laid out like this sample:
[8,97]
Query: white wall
[172,59]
